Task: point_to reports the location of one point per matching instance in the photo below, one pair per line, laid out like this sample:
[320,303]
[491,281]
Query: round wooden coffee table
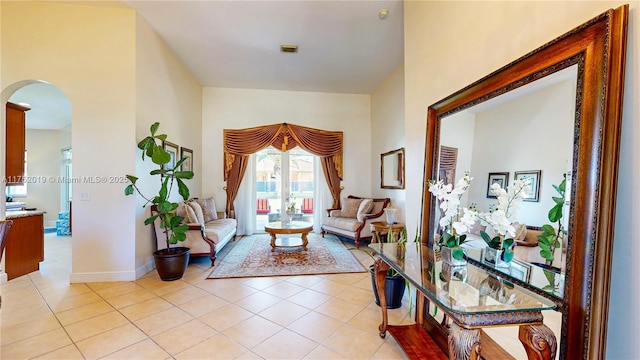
[288,228]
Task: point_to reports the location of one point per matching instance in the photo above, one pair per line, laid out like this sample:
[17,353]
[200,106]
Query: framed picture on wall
[500,178]
[533,176]
[187,165]
[172,149]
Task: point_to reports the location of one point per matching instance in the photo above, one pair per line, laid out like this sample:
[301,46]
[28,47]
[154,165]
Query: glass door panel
[284,181]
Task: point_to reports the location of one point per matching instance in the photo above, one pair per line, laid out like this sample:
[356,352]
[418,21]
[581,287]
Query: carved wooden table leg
[463,343]
[380,271]
[539,341]
[305,241]
[273,242]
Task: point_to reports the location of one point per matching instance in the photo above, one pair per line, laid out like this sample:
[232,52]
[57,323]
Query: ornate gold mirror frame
[598,48]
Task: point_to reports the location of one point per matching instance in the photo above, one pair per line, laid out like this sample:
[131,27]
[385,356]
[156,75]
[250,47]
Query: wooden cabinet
[25,244]
[16,134]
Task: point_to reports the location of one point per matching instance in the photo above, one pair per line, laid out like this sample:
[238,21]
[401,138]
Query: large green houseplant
[171,262]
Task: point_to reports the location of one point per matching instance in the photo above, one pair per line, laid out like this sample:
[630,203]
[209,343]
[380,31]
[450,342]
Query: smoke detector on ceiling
[289,48]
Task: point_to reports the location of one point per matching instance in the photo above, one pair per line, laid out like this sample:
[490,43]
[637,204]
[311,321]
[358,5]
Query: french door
[284,181]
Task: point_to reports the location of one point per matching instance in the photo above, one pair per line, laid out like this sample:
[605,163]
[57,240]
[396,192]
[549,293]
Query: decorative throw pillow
[350,207]
[199,216]
[187,213]
[365,207]
[208,206]
[521,231]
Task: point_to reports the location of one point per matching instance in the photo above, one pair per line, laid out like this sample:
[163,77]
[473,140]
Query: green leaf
[183,190]
[160,156]
[551,276]
[507,255]
[158,172]
[485,237]
[132,178]
[457,252]
[150,219]
[563,185]
[546,254]
[462,238]
[164,189]
[442,278]
[507,243]
[161,137]
[154,127]
[184,174]
[548,229]
[164,207]
[558,200]
[128,190]
[555,213]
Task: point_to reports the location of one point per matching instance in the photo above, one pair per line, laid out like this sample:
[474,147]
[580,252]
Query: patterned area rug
[251,256]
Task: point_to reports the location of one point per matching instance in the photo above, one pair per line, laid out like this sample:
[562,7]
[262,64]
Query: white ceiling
[344,47]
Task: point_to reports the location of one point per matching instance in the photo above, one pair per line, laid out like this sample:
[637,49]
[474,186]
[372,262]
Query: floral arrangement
[501,216]
[454,221]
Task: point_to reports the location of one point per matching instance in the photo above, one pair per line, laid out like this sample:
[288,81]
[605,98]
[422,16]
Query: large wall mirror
[392,169]
[551,114]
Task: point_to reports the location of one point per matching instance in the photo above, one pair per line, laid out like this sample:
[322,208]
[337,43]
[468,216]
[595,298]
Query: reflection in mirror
[535,124]
[392,169]
[589,158]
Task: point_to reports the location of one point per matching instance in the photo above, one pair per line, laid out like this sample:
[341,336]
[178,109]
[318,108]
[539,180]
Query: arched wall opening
[47,185]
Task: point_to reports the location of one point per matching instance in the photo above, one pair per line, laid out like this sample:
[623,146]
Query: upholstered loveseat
[353,219]
[209,230]
[526,244]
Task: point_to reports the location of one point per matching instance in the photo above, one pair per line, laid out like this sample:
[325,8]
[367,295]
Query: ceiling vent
[289,48]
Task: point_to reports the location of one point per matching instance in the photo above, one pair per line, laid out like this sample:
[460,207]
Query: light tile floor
[290,317]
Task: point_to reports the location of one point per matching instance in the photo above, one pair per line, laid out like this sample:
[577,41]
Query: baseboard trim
[144,269]
[102,277]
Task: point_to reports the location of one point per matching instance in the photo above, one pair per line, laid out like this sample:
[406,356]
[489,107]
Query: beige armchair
[353,219]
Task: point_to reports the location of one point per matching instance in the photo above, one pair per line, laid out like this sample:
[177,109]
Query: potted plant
[171,262]
[454,221]
[551,238]
[394,284]
[500,217]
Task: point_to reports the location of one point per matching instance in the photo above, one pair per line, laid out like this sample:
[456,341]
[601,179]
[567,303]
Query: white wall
[531,132]
[448,45]
[387,128]
[168,93]
[458,131]
[89,53]
[44,159]
[243,108]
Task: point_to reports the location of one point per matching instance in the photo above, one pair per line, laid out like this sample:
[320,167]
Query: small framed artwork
[500,178]
[187,165]
[533,176]
[520,270]
[172,149]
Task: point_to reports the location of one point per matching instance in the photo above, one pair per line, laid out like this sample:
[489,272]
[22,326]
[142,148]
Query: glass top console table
[470,296]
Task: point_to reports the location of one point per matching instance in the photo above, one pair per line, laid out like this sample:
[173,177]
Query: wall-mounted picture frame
[501,178]
[187,165]
[172,149]
[392,169]
[534,177]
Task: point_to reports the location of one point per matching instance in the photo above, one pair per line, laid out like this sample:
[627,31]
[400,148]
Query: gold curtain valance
[244,142]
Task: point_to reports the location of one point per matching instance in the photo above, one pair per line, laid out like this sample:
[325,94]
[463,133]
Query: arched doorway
[48,162]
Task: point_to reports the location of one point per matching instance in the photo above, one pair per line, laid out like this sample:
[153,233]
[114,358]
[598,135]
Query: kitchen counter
[14,214]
